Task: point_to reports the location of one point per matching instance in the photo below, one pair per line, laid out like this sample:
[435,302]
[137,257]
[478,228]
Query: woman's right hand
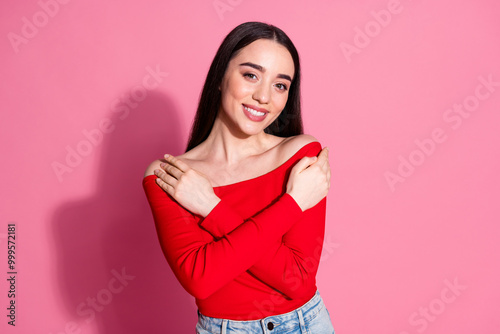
[309,180]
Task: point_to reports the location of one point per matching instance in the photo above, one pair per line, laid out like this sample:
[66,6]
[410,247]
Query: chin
[252,131]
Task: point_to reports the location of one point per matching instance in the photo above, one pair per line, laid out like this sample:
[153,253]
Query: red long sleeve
[294,259]
[250,256]
[203,266]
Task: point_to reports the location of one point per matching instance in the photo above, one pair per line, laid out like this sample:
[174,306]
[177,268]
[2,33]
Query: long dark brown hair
[289,122]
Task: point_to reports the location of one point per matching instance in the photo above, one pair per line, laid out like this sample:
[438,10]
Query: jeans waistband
[281,323]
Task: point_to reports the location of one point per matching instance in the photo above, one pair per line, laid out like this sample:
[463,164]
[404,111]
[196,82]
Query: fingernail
[167,155]
[162,164]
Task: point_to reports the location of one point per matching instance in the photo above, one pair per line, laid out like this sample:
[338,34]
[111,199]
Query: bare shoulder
[154,165]
[292,145]
[295,143]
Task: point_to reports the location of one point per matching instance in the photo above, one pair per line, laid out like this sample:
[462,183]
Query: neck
[229,146]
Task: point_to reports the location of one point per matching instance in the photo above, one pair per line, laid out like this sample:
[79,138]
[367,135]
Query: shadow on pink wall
[111,271]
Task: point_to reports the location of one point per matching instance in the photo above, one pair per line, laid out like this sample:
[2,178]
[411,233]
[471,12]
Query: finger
[181,165]
[165,186]
[324,153]
[166,178]
[172,170]
[323,157]
[327,162]
[304,163]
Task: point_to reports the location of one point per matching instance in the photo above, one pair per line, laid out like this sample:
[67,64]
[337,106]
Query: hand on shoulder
[150,170]
[309,179]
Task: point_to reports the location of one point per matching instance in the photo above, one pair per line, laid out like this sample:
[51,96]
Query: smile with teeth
[254,112]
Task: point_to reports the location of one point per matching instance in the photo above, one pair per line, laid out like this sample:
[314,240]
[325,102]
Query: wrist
[296,199]
[211,205]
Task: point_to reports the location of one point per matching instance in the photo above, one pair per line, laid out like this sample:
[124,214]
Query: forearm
[202,265]
[291,262]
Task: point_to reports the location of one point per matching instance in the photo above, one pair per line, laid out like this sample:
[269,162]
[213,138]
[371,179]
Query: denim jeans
[310,318]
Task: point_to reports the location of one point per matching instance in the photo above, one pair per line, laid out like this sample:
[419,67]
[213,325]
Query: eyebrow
[262,69]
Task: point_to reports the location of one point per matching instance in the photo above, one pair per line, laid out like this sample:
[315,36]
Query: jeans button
[270,326]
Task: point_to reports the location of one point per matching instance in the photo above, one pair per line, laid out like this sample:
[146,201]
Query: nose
[262,93]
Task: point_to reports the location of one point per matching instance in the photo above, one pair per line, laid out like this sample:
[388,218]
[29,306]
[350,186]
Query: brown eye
[250,75]
[281,86]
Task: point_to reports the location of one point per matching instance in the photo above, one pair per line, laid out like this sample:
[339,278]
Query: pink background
[392,249]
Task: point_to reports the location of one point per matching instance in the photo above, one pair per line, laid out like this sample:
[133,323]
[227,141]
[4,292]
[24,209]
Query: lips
[254,113]
[255,108]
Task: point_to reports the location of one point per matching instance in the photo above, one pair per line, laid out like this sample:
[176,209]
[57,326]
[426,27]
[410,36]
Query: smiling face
[255,86]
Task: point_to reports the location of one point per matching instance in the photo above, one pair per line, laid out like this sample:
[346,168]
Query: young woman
[240,216]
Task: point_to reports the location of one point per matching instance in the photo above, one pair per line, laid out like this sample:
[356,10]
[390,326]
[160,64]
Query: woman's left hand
[189,187]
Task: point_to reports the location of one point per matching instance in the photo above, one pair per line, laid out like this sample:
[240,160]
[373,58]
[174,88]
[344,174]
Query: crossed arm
[281,245]
[291,263]
[205,262]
